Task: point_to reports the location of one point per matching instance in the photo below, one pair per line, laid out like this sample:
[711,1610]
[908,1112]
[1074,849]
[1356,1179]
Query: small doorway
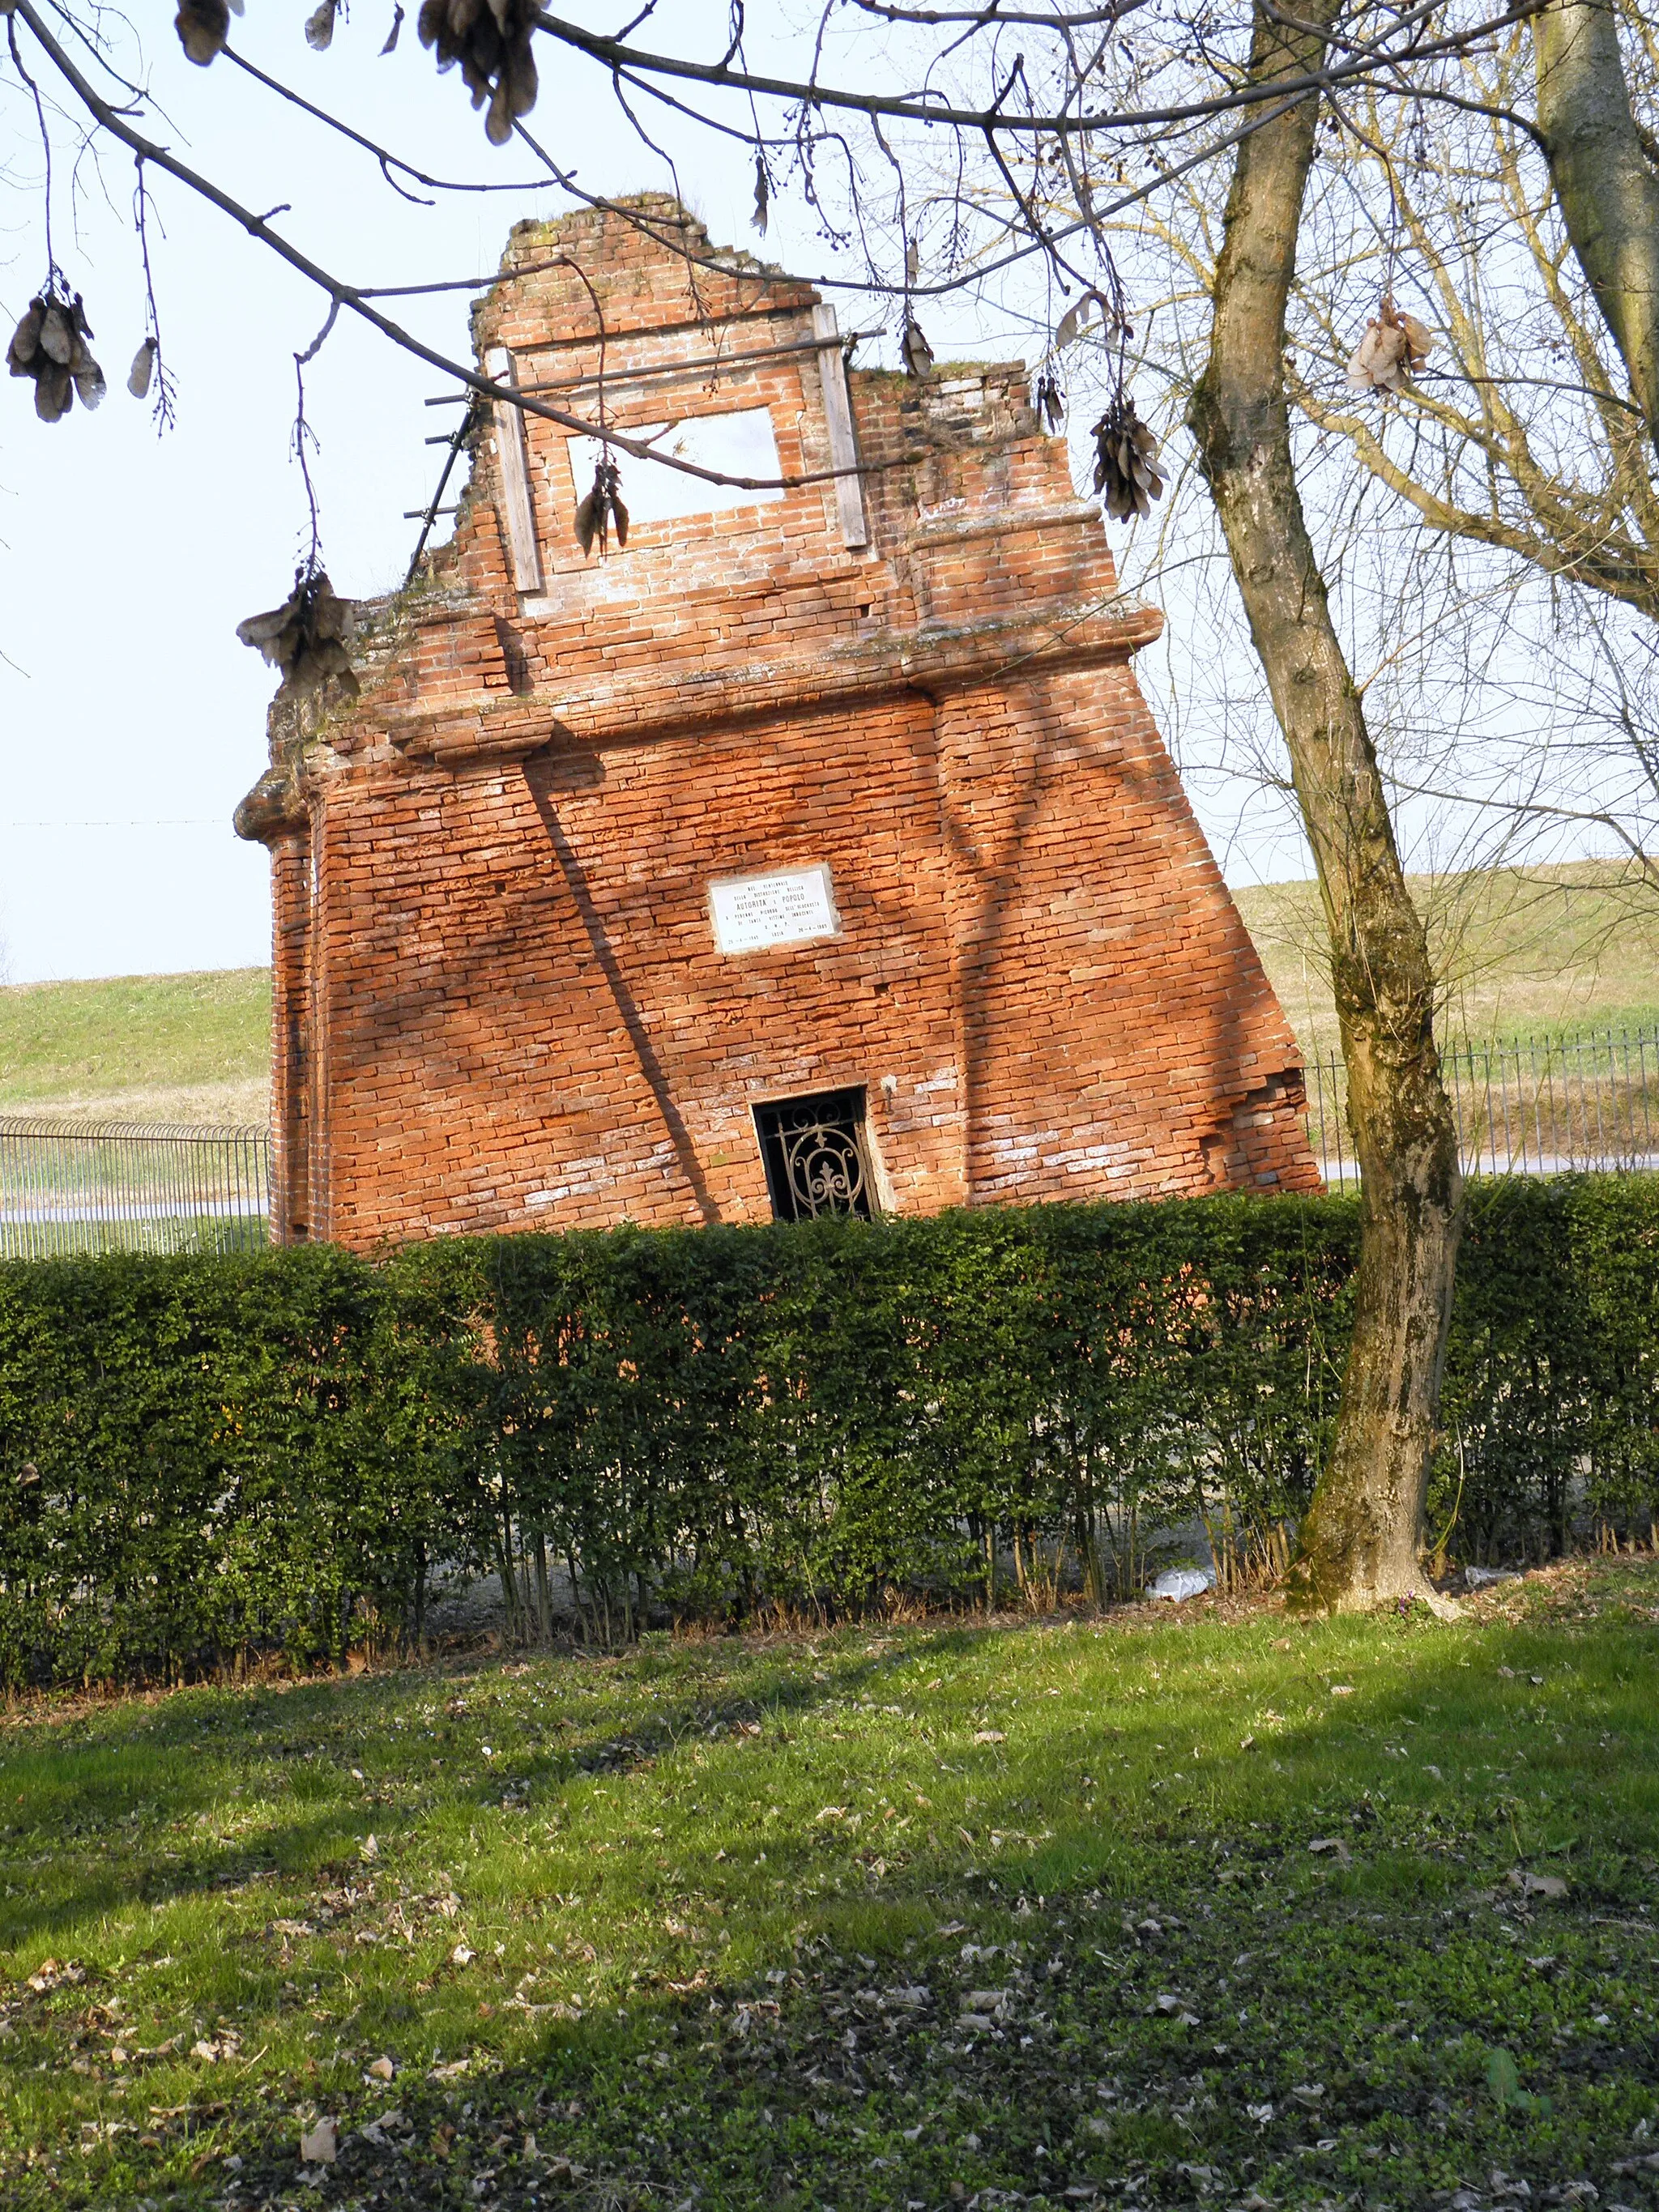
[816,1155]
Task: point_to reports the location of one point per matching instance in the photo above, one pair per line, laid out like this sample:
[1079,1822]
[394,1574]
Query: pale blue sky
[131,719]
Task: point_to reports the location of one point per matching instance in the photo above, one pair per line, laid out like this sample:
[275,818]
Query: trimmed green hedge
[202,1458]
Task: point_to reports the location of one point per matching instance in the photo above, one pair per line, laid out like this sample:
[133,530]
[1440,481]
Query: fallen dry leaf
[52,1974]
[1536,1885]
[320,2146]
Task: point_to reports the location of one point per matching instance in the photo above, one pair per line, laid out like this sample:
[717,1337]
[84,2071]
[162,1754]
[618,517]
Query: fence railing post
[1561,1102]
[68,1186]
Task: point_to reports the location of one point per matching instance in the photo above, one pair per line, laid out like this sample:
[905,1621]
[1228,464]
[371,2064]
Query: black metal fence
[1538,1106]
[69,1186]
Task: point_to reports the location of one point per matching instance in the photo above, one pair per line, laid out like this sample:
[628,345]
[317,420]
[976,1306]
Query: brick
[498,1000]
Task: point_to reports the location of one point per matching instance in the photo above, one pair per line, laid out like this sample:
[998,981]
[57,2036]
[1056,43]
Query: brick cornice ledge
[934,659]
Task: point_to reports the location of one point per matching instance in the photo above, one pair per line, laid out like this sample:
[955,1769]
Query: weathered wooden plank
[843,445]
[513,452]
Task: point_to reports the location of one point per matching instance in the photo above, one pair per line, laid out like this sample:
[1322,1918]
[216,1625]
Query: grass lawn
[1212,1909]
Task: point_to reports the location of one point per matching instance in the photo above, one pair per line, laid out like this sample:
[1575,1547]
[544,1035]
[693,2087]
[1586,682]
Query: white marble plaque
[751,912]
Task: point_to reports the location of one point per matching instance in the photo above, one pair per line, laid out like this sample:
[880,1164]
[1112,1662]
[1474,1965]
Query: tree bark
[1605,184]
[1360,1542]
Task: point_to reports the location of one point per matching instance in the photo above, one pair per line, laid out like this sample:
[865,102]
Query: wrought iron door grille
[818,1160]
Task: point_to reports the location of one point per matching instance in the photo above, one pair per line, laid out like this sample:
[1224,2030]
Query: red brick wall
[500,1004]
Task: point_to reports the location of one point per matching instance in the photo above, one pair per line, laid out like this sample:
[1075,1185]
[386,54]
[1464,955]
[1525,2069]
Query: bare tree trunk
[1606,181]
[1360,1541]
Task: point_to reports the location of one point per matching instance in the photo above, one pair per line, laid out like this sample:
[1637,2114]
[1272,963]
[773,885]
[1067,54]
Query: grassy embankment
[1553,951]
[1563,949]
[1213,1909]
[140,1048]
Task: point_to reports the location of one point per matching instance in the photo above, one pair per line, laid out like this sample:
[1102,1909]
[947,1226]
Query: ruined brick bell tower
[815,851]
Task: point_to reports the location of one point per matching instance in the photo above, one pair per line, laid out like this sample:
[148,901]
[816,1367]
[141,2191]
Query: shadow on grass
[1152,1979]
[1068,2056]
[113,1782]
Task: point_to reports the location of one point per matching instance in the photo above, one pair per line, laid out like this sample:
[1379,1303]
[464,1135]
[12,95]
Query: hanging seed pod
[319,27]
[54,392]
[89,384]
[1051,400]
[763,194]
[26,339]
[306,637]
[50,345]
[1127,473]
[915,351]
[490,42]
[602,510]
[58,333]
[1393,346]
[1075,320]
[331,617]
[588,523]
[203,27]
[515,92]
[144,367]
[276,636]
